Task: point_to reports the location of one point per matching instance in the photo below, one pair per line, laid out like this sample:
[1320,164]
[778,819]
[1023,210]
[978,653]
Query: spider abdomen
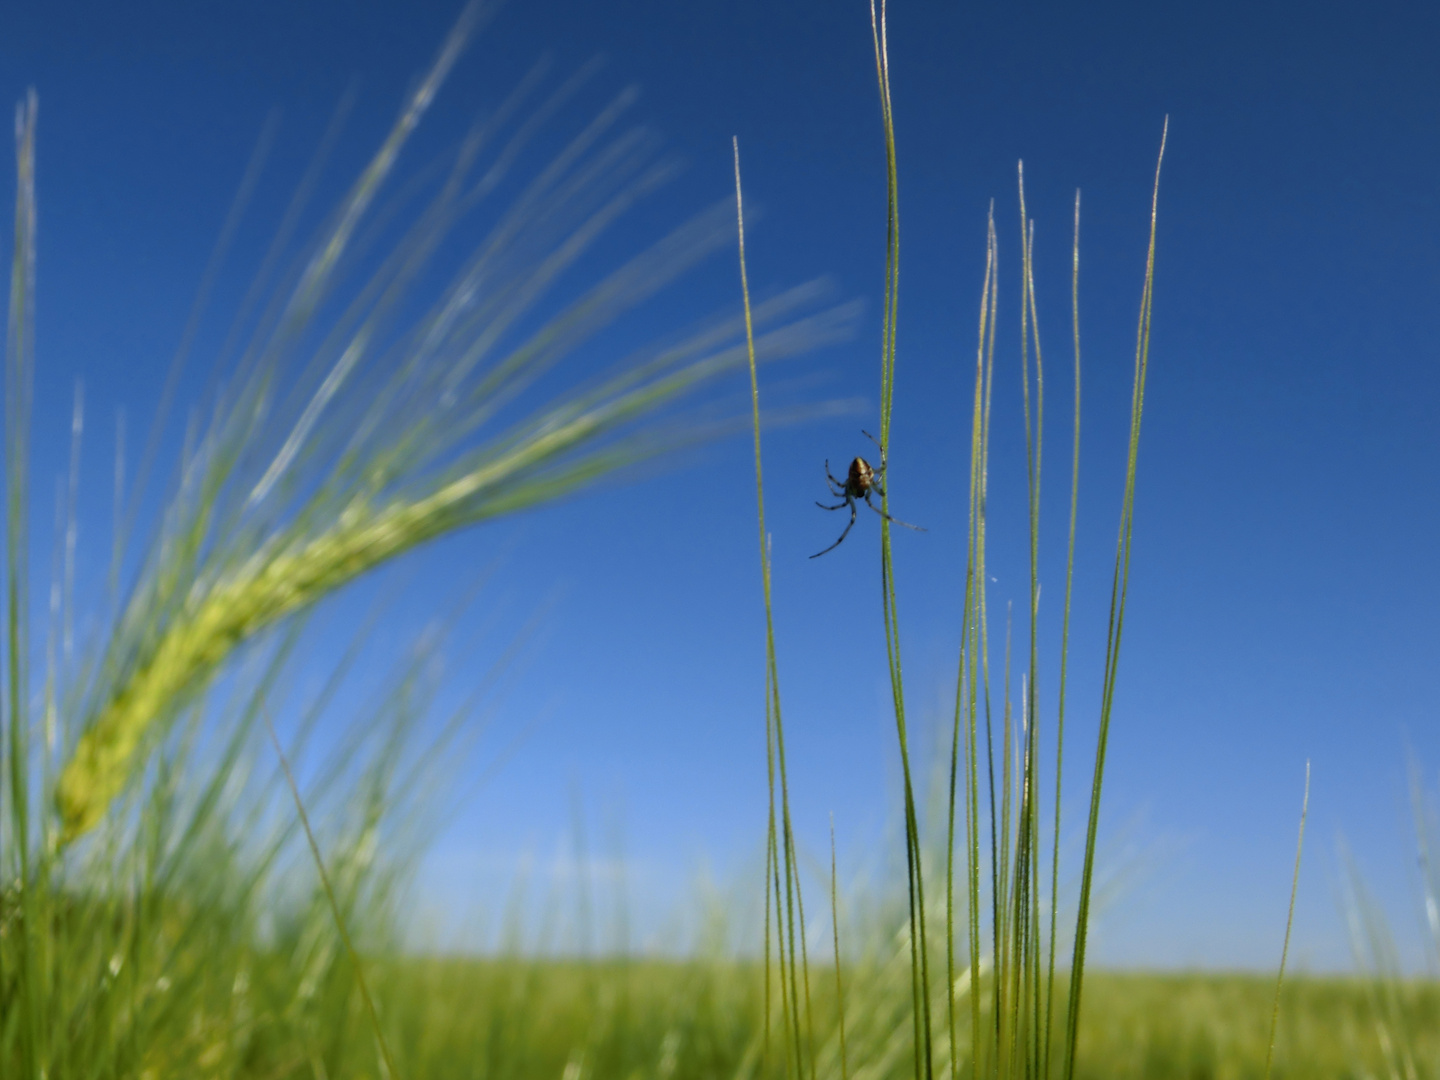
[861,477]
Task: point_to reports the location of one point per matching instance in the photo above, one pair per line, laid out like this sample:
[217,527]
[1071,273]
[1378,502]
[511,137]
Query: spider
[859,483]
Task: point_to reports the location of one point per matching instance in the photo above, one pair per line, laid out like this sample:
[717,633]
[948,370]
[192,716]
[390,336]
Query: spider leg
[844,534]
[888,517]
[836,487]
[837,506]
[879,444]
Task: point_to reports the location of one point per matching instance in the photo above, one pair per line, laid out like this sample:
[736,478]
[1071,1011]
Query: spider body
[860,481]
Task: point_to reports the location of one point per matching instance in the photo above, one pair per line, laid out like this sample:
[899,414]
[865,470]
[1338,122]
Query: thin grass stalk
[1020,924]
[62,613]
[28,878]
[335,910]
[117,520]
[58,630]
[1024,891]
[791,897]
[1006,966]
[1025,915]
[966,660]
[839,975]
[769,863]
[966,679]
[1289,923]
[924,1067]
[1116,625]
[774,884]
[1429,879]
[997,894]
[1064,642]
[1374,952]
[49,708]
[1032,785]
[983,620]
[1037,939]
[1003,999]
[1027,840]
[775,723]
[950,848]
[795,913]
[208,277]
[804,957]
[972,632]
[792,1045]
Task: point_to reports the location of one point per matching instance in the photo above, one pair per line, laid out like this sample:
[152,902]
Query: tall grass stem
[1118,591]
[919,948]
[360,981]
[1289,924]
[785,859]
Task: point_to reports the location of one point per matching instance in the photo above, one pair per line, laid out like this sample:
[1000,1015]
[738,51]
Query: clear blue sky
[1283,603]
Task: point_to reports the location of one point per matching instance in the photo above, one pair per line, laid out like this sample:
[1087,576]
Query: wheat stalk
[378,441]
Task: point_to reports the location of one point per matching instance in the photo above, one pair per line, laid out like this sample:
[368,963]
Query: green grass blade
[1116,626]
[839,974]
[30,975]
[919,949]
[1289,923]
[1064,641]
[360,980]
[794,910]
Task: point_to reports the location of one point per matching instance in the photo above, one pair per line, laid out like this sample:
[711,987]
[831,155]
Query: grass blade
[785,861]
[1289,923]
[19,380]
[360,980]
[1116,625]
[919,948]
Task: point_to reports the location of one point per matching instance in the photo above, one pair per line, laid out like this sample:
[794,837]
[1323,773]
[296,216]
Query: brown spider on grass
[859,483]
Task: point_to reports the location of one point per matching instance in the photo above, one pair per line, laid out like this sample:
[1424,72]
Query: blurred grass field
[508,1019]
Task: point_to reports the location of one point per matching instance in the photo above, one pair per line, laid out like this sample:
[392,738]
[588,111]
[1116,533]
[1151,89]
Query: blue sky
[1284,585]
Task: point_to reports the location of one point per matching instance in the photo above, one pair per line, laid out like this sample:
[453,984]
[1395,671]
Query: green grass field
[535,1018]
[506,1019]
[1139,1027]
[173,903]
